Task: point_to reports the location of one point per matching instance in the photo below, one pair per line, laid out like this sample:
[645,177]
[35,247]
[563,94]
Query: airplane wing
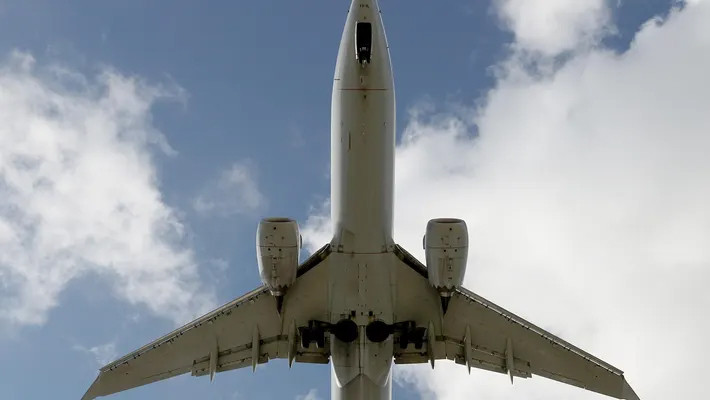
[244,332]
[477,333]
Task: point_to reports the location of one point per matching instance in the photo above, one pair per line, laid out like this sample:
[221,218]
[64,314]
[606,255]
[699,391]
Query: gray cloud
[102,354]
[235,191]
[311,395]
[79,193]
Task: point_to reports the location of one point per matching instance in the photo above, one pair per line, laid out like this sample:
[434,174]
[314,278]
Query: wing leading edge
[477,333]
[244,332]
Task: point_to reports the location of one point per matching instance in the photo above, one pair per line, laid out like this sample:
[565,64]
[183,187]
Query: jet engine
[446,249]
[278,245]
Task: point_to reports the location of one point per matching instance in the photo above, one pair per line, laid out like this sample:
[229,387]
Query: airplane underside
[361,302]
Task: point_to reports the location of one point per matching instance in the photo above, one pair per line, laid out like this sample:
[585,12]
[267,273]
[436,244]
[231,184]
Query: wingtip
[91,393]
[628,392]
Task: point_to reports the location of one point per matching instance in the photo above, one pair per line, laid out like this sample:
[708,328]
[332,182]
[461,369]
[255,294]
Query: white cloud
[79,193]
[103,354]
[318,229]
[586,195]
[551,27]
[311,395]
[235,191]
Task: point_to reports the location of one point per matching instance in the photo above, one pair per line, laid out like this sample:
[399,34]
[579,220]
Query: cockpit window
[363,42]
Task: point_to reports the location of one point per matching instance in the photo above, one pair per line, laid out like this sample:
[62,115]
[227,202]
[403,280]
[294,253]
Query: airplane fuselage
[362,186]
[362,137]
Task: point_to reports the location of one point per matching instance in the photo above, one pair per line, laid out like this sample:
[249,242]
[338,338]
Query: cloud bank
[553,26]
[586,194]
[311,395]
[79,194]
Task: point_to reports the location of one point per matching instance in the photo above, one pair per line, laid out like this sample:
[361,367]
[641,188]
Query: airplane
[361,302]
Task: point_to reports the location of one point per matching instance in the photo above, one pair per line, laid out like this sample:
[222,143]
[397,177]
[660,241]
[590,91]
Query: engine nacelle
[446,249]
[278,245]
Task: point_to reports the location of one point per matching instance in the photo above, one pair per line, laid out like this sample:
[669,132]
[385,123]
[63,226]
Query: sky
[141,142]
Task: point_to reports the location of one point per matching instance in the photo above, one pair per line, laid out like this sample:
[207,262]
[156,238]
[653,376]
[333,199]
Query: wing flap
[270,348]
[480,357]
[239,356]
[483,358]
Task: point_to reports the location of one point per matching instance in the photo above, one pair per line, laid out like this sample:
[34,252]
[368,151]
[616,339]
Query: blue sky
[229,103]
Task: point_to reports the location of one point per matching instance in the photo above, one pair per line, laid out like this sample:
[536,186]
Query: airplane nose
[365,14]
[363,59]
[371,4]
[364,10]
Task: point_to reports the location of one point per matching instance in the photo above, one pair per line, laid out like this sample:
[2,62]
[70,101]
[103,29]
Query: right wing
[244,332]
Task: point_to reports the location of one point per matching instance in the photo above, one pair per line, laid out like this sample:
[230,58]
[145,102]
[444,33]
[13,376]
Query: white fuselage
[362,139]
[362,186]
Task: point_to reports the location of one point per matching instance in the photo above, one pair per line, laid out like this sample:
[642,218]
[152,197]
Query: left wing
[483,335]
[477,333]
[244,332]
